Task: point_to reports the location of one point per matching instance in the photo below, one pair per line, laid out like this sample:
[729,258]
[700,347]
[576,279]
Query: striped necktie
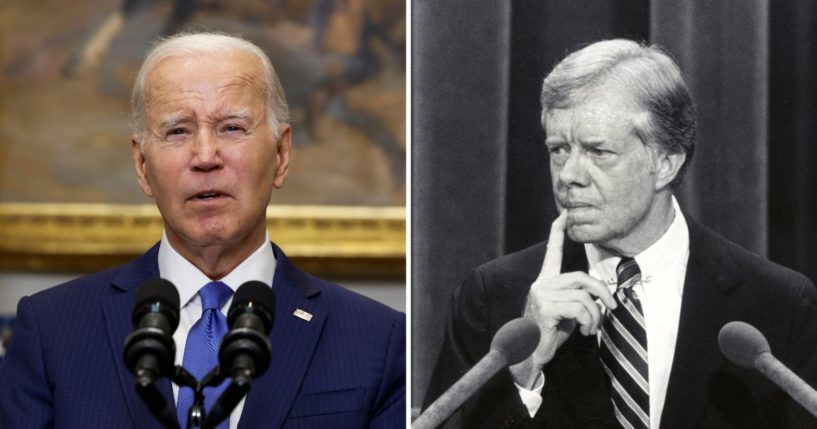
[201,348]
[623,351]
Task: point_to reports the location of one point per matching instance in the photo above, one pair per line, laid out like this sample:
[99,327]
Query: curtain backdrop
[480,176]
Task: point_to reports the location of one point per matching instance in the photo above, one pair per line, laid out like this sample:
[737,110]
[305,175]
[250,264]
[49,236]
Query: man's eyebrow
[593,141]
[241,114]
[172,121]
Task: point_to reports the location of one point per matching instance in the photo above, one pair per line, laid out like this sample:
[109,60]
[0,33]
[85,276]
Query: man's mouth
[575,205]
[208,195]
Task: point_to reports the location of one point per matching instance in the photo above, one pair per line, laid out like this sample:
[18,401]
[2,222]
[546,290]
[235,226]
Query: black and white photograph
[633,179]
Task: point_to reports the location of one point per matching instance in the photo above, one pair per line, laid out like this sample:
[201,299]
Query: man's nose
[574,171]
[206,152]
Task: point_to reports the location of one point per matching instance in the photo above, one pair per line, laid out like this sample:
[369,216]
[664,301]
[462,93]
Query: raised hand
[558,302]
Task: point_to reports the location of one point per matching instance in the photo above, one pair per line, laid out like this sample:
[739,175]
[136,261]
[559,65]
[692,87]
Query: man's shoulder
[340,298]
[725,259]
[350,300]
[87,287]
[505,279]
[92,287]
[525,262]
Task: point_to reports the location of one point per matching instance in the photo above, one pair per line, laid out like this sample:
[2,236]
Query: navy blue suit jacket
[345,368]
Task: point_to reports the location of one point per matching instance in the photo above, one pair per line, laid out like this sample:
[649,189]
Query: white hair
[193,44]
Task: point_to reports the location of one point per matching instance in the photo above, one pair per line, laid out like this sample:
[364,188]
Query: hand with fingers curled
[557,302]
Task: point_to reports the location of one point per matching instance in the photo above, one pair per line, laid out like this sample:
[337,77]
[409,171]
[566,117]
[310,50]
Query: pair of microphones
[244,353]
[740,342]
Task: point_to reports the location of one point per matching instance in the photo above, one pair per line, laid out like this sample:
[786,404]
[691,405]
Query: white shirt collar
[188,279]
[654,259]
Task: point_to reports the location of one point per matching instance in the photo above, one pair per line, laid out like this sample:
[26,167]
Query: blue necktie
[201,349]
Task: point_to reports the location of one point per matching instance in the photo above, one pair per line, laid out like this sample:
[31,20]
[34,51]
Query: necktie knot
[214,295]
[628,273]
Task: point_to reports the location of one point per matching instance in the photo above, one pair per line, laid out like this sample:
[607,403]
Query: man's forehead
[224,69]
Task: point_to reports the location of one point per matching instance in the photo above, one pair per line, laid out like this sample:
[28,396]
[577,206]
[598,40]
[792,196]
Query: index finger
[552,265]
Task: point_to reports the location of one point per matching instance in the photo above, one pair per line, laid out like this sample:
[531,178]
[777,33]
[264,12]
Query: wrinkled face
[210,159]
[602,173]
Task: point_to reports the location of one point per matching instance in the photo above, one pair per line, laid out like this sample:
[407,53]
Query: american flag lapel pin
[302,315]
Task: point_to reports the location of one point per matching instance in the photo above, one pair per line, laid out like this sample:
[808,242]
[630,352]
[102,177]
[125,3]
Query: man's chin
[585,233]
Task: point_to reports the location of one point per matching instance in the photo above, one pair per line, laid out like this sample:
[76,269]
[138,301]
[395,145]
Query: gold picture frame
[331,241]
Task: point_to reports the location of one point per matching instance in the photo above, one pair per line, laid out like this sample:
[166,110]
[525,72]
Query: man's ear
[283,147]
[667,167]
[139,164]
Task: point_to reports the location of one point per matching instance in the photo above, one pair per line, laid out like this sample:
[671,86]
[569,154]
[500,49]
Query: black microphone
[150,350]
[745,346]
[245,350]
[513,343]
[250,318]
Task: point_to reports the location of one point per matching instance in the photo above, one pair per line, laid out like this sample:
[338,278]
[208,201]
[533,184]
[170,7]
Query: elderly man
[630,303]
[211,140]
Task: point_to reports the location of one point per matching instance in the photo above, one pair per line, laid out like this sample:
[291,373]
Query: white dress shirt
[663,271]
[188,280]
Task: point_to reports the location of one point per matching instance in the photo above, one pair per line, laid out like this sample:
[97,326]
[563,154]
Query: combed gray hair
[192,44]
[647,73]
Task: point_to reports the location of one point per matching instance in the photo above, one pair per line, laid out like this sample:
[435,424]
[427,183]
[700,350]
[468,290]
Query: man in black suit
[630,304]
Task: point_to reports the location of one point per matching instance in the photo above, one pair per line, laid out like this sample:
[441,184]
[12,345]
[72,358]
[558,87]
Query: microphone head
[516,340]
[742,343]
[253,297]
[157,291]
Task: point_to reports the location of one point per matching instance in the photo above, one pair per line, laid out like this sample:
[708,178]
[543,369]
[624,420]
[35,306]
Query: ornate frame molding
[334,241]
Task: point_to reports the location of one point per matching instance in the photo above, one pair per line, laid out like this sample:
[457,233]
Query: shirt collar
[188,279]
[653,260]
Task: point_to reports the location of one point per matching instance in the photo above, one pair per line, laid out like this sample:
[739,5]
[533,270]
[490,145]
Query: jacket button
[509,422]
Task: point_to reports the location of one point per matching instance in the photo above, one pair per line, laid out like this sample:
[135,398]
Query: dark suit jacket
[723,283]
[343,369]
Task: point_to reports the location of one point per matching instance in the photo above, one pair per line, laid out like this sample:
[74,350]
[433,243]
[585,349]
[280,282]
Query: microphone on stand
[245,350]
[150,350]
[745,346]
[513,343]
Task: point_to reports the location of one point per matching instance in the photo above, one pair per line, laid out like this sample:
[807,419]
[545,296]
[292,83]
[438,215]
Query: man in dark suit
[211,140]
[630,303]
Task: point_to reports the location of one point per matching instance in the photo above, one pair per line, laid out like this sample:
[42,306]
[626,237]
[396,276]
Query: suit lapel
[293,343]
[706,307]
[117,310]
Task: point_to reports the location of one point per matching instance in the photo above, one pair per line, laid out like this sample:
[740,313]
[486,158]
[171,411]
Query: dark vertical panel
[793,135]
[721,47]
[542,33]
[459,115]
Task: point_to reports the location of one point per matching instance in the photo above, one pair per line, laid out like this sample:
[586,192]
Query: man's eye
[176,131]
[599,152]
[557,150]
[233,128]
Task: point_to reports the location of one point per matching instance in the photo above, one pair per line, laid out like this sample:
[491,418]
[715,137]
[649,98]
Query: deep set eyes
[230,130]
[560,153]
[233,128]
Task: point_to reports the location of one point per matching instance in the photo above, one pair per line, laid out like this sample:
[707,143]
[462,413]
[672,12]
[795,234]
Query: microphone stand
[156,402]
[197,416]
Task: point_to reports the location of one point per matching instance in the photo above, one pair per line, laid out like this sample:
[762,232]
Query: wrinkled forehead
[234,70]
[604,112]
[608,92]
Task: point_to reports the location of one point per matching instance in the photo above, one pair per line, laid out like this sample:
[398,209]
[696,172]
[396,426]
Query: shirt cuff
[532,398]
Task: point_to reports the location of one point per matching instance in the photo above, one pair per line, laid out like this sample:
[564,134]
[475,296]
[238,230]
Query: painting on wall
[66,71]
